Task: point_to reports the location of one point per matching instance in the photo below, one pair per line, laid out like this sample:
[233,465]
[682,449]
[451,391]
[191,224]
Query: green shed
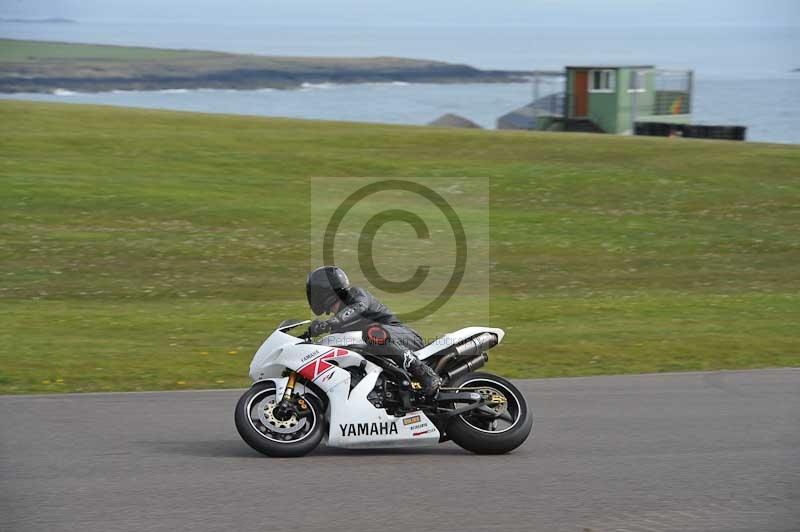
[613,98]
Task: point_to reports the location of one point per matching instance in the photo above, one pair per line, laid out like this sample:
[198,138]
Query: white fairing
[267,353]
[354,420]
[456,337]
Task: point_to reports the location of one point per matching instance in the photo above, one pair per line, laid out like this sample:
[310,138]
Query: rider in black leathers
[354,309]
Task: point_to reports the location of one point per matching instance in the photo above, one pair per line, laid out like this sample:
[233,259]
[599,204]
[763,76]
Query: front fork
[287,393]
[290,405]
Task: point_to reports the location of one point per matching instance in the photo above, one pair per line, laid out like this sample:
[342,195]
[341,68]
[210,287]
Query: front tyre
[499,428]
[264,432]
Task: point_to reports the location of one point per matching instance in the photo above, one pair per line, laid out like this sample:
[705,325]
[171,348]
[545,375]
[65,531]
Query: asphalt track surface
[699,451]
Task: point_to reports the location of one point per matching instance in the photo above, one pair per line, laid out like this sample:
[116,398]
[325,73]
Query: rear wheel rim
[259,414]
[484,423]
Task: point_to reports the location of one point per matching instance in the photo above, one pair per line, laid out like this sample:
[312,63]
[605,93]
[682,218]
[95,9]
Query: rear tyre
[491,433]
[261,430]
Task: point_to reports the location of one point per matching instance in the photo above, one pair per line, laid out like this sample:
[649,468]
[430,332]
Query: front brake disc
[266,415]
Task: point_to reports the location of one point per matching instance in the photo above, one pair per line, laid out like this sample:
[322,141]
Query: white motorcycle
[304,391]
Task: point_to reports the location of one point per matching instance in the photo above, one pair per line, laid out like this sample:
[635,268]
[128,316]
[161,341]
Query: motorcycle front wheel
[263,431]
[502,426]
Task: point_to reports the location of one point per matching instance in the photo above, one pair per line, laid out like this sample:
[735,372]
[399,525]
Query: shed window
[636,81]
[602,81]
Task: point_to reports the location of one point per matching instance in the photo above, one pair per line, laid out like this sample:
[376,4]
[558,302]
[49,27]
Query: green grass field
[153,250]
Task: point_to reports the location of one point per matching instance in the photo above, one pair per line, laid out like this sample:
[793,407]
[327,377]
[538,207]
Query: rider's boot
[427,378]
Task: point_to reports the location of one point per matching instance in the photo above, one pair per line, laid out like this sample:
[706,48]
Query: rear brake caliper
[494,400]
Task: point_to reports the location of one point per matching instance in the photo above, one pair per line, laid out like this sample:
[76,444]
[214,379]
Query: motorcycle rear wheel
[261,430]
[484,434]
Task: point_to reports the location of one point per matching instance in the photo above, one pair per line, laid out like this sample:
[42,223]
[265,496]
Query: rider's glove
[318,327]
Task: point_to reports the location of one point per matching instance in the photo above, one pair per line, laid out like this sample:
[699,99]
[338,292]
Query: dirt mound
[451,120]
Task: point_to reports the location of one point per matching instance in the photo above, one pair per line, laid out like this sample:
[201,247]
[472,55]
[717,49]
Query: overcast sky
[423,12]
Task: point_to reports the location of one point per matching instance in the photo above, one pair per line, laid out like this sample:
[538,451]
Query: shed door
[581,103]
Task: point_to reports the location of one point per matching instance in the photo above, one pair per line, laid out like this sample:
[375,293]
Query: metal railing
[673,92]
[549,93]
[552,104]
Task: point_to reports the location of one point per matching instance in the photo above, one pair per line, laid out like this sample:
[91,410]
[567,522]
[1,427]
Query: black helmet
[325,286]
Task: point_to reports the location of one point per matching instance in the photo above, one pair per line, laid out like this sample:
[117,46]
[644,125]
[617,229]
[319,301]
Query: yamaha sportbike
[334,388]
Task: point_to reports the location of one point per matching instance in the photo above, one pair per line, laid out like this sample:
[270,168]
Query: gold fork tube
[287,393]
